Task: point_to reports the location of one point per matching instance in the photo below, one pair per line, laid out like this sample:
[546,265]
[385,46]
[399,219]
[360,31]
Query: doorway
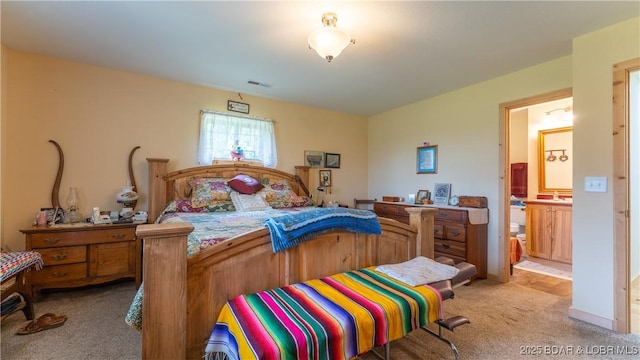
[539,105]
[626,189]
[541,144]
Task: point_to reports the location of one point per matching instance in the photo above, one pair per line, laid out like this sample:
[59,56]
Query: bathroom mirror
[555,160]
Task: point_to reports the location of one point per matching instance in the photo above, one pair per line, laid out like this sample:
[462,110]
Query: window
[221,134]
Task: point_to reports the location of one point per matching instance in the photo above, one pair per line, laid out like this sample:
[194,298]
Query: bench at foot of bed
[446,287]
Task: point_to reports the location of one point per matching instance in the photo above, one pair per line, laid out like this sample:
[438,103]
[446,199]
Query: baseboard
[590,318]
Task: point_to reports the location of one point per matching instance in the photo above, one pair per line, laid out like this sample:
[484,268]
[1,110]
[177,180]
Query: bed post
[422,219]
[302,172]
[157,191]
[164,307]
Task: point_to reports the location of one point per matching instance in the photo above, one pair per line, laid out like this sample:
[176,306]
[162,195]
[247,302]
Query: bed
[183,295]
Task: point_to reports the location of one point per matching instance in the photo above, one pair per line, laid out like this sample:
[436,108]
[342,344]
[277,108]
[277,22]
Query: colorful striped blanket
[292,229]
[335,317]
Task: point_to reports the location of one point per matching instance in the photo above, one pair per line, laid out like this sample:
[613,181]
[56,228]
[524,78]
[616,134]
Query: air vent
[257,83]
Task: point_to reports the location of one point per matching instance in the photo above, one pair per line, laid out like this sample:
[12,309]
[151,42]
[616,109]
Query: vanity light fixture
[564,157]
[567,116]
[329,40]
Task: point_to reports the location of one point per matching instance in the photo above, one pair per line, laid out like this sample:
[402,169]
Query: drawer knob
[443,214]
[119,236]
[59,274]
[455,233]
[445,246]
[51,240]
[60,256]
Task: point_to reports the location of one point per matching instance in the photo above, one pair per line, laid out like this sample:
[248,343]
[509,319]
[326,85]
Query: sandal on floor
[44,322]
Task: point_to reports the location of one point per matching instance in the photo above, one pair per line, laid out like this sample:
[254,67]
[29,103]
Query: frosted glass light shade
[126,195]
[329,41]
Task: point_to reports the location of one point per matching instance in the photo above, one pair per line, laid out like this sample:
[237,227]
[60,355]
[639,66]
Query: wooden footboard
[182,296]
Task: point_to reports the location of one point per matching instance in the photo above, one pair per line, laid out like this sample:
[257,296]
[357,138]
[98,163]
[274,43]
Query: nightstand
[84,254]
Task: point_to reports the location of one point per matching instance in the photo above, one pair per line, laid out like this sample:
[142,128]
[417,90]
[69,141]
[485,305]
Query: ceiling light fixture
[329,40]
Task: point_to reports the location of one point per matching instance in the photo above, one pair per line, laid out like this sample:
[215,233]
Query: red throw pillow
[245,184]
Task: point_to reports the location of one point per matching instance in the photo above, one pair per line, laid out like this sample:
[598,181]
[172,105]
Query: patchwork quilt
[211,228]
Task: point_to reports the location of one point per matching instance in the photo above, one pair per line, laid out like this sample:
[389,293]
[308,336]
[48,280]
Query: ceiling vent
[257,83]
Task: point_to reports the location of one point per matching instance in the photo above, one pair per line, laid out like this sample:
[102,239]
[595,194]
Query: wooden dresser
[84,254]
[457,233]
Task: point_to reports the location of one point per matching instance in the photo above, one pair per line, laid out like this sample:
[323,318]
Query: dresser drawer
[451,215]
[56,239]
[389,209]
[454,248]
[59,273]
[455,232]
[63,255]
[438,231]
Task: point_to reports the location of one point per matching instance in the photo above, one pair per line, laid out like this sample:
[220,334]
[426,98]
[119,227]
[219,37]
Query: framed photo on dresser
[441,193]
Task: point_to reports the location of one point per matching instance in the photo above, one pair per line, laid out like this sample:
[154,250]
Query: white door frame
[504,191]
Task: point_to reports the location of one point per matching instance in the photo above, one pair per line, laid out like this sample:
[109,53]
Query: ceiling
[404,52]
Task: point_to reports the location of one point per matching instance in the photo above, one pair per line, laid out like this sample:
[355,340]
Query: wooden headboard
[164,187]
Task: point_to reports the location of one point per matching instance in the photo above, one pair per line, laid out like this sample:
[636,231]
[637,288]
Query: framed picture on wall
[332,160]
[315,159]
[325,178]
[441,193]
[427,159]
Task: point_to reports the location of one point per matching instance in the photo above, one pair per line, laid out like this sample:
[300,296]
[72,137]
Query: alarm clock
[453,201]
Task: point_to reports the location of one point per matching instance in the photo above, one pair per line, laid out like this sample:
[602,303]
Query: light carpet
[508,321]
[543,269]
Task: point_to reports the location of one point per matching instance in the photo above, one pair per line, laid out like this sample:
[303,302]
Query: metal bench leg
[387,350]
[439,335]
[448,324]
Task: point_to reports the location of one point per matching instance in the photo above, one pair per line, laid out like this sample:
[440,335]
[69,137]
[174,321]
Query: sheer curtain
[220,133]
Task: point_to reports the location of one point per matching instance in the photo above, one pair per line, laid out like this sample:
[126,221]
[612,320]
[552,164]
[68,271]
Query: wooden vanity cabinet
[84,255]
[454,235]
[548,230]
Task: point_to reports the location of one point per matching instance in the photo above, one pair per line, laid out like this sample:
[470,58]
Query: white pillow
[253,202]
[419,271]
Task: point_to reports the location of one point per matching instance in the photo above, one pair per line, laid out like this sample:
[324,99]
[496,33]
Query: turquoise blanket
[292,229]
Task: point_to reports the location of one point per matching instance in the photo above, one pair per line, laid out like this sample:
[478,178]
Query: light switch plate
[595,184]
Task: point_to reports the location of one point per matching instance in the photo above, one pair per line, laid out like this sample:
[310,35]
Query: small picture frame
[325,178]
[315,159]
[237,107]
[427,159]
[441,193]
[422,197]
[332,160]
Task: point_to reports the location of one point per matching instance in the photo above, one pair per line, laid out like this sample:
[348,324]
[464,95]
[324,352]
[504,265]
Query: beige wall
[594,55]
[3,108]
[98,115]
[464,125]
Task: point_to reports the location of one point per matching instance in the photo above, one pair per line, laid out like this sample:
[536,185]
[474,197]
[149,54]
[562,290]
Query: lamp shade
[126,195]
[329,41]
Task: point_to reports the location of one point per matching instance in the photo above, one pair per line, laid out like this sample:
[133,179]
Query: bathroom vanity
[548,229]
